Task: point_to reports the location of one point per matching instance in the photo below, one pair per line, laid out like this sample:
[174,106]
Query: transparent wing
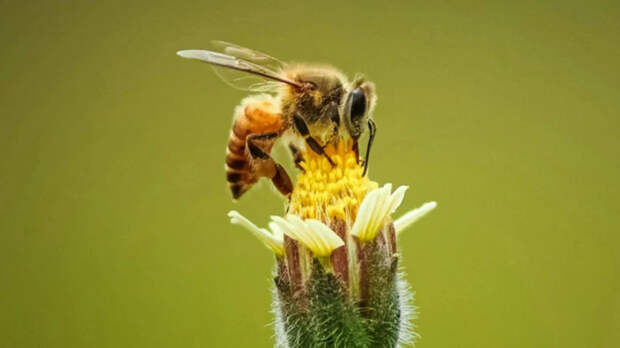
[257,57]
[243,68]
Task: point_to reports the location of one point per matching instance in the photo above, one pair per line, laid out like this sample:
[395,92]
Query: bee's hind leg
[258,145]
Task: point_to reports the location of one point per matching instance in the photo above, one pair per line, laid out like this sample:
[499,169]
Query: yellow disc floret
[326,193]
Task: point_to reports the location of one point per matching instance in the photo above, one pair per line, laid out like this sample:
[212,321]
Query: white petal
[313,234]
[302,232]
[364,213]
[397,198]
[414,215]
[376,207]
[285,227]
[329,238]
[303,229]
[271,241]
[276,230]
[380,212]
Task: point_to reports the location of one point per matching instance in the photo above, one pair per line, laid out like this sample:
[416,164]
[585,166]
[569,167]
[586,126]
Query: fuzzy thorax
[327,192]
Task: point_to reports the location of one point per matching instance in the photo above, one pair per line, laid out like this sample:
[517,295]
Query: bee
[306,105]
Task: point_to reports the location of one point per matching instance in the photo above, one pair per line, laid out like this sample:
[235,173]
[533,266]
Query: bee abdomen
[238,170]
[254,116]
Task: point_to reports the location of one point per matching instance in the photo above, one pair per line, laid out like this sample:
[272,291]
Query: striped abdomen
[255,115]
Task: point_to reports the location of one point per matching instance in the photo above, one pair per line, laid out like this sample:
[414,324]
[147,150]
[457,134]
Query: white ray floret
[313,234]
[376,207]
[412,216]
[273,240]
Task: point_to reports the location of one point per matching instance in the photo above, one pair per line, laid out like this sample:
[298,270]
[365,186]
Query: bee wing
[250,55]
[241,73]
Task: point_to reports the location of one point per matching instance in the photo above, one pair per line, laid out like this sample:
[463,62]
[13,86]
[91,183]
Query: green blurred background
[113,229]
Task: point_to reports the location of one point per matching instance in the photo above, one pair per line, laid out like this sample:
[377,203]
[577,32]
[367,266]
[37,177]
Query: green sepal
[323,316]
[382,307]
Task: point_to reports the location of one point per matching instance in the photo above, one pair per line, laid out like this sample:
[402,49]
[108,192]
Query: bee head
[328,103]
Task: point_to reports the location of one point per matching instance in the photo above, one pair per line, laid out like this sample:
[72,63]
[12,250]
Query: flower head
[336,250]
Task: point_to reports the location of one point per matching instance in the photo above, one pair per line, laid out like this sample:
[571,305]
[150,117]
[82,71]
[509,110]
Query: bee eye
[357,100]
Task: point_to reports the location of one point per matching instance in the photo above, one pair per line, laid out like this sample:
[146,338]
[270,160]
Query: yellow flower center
[324,192]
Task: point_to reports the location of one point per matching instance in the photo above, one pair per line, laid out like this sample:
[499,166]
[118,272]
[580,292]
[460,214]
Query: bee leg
[314,145]
[356,150]
[254,148]
[282,181]
[372,127]
[297,156]
[265,165]
[302,128]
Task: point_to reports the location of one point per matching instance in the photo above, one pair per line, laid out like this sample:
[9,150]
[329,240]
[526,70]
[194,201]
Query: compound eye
[357,104]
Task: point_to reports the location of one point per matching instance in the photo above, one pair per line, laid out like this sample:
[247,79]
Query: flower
[336,280]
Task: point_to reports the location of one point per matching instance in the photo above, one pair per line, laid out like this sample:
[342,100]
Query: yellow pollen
[324,192]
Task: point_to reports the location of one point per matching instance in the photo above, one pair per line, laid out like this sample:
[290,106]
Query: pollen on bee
[330,192]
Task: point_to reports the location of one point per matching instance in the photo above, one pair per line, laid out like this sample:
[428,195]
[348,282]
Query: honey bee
[305,105]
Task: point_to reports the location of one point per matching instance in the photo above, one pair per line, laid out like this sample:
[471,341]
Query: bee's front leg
[264,165]
[302,128]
